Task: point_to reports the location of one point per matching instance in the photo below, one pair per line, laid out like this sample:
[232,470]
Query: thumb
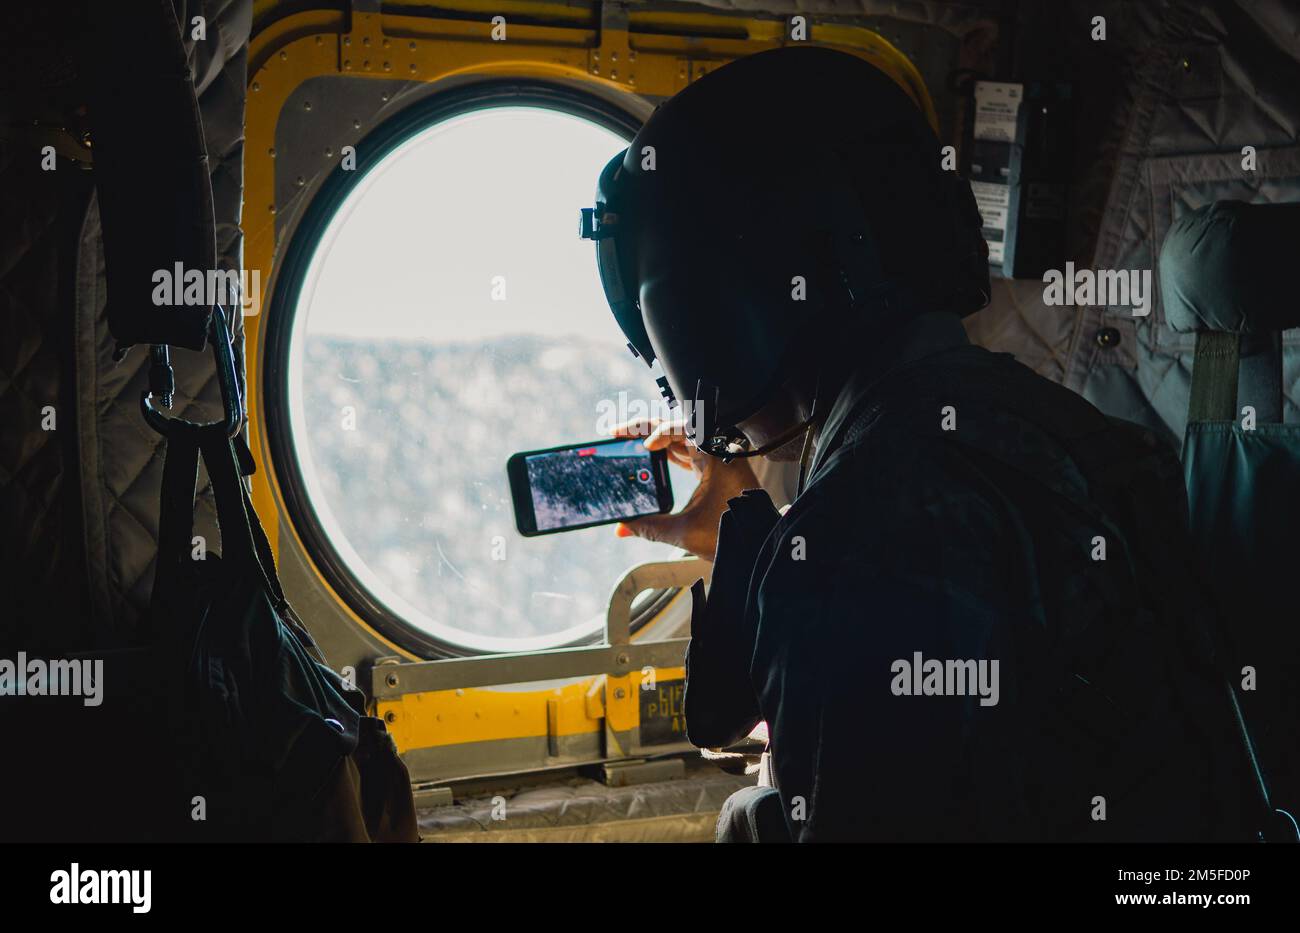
[659,528]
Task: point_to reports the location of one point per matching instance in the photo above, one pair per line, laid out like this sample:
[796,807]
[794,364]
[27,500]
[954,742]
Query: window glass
[451,316]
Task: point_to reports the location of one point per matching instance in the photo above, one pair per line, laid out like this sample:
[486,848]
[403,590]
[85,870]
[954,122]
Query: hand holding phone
[695,527]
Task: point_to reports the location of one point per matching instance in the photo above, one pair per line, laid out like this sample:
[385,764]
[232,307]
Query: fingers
[664,529]
[659,434]
[677,459]
[679,530]
[670,436]
[637,427]
[666,434]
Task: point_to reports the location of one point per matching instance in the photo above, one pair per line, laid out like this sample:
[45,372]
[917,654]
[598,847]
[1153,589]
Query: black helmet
[793,193]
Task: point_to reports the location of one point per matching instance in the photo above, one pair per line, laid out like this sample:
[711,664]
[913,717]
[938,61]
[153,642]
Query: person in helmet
[955,632]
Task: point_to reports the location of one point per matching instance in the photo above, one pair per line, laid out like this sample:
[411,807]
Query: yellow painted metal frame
[456,717]
[653,54]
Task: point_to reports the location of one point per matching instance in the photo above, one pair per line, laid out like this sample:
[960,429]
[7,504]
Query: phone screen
[592,484]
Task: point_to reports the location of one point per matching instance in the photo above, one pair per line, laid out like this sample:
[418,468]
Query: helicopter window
[447,316]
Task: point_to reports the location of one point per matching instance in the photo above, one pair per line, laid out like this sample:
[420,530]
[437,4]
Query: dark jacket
[956,511]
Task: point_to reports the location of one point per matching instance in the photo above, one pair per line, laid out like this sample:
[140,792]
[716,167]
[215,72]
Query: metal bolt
[622,658]
[391,680]
[1108,337]
[306,105]
[619,693]
[390,717]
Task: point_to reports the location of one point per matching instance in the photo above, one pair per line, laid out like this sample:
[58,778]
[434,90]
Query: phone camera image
[596,483]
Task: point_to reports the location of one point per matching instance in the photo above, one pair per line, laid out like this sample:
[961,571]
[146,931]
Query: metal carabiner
[161,380]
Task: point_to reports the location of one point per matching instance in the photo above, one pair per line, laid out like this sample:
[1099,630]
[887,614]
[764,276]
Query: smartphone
[582,485]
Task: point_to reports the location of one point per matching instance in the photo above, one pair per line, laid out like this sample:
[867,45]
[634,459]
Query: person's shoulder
[897,501]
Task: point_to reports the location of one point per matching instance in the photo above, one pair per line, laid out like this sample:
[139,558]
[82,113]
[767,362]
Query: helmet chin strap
[805,427]
[775,444]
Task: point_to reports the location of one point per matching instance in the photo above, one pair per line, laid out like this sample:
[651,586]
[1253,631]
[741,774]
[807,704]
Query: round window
[439,314]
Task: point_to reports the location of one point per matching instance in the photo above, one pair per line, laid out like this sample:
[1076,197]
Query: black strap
[243,541]
[1260,376]
[175,526]
[244,545]
[176,511]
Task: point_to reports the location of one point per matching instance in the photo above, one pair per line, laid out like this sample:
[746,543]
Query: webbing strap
[175,525]
[1214,377]
[1260,381]
[1216,368]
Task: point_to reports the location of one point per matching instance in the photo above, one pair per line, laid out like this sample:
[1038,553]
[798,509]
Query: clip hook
[163,382]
